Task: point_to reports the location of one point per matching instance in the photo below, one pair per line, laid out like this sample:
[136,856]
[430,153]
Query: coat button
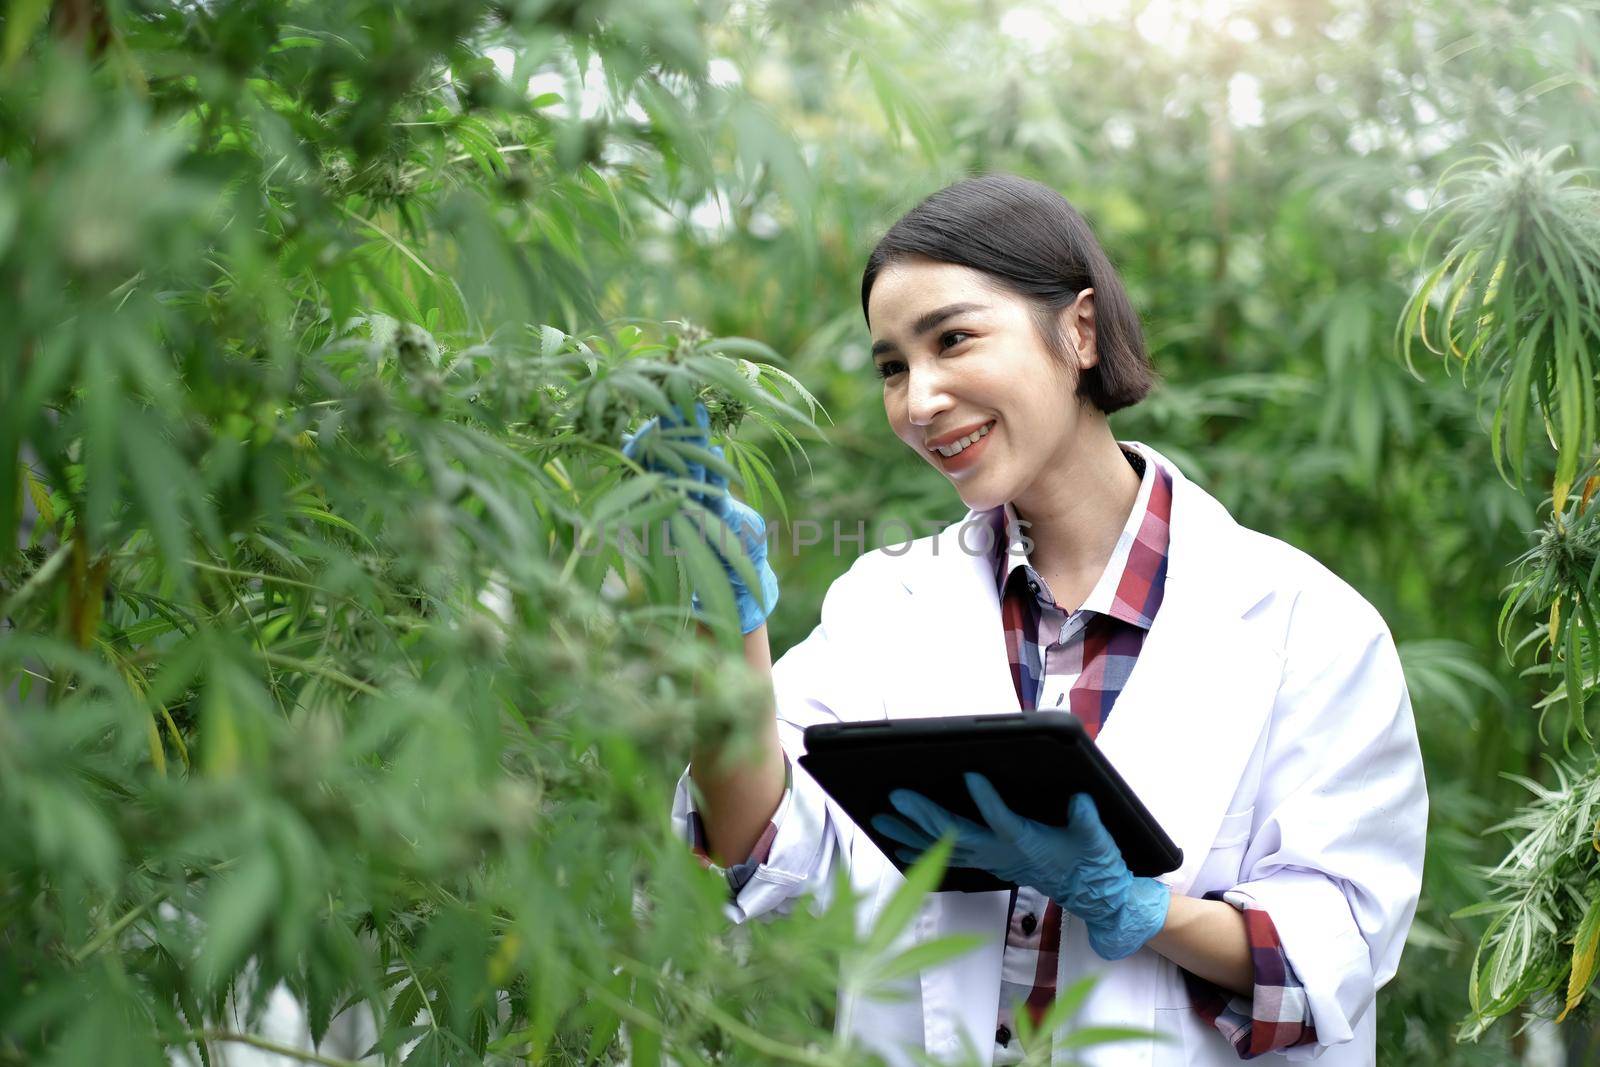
[1029,923]
[1002,1037]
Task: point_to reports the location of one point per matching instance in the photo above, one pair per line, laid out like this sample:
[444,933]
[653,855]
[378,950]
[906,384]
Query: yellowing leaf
[1585,946]
[23,21]
[158,755]
[1560,489]
[41,498]
[504,958]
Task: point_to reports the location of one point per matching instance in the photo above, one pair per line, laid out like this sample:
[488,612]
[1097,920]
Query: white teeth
[957,447]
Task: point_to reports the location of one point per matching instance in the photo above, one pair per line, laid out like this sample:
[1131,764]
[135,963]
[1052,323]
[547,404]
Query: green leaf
[1482,907]
[920,880]
[329,519]
[236,912]
[1086,1036]
[602,1020]
[23,20]
[159,477]
[1574,682]
[41,498]
[645,1045]
[71,833]
[925,954]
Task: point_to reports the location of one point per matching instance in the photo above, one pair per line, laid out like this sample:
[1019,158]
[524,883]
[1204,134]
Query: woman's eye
[885,369]
[945,338]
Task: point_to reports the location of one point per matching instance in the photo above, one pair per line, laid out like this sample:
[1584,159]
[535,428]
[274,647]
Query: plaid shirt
[1083,669]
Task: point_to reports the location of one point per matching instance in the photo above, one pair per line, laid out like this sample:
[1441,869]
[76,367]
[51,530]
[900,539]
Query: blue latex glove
[1078,866]
[745,527]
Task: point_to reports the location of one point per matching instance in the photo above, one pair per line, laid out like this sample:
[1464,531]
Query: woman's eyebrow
[927,323]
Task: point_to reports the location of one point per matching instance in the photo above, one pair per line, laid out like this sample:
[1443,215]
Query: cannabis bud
[725,412]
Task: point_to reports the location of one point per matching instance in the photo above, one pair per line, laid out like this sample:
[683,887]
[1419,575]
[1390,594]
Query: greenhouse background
[329,730]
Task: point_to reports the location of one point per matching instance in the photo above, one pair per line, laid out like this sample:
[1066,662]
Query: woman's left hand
[1078,866]
[646,448]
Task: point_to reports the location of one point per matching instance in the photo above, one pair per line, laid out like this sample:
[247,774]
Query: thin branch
[502,149]
[763,1044]
[269,1046]
[387,236]
[37,580]
[768,1047]
[274,578]
[278,659]
[106,936]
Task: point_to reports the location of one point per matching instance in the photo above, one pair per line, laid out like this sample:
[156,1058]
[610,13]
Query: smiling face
[959,355]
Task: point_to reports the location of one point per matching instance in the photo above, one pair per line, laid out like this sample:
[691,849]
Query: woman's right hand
[1079,866]
[648,446]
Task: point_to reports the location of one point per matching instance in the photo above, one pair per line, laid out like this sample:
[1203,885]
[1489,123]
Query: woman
[1252,699]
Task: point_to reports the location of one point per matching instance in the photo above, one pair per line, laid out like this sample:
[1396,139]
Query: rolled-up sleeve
[1335,858]
[739,874]
[792,855]
[819,680]
[1276,1015]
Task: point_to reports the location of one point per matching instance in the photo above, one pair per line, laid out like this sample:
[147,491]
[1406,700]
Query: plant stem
[274,578]
[278,659]
[37,580]
[104,937]
[268,1046]
[766,1046]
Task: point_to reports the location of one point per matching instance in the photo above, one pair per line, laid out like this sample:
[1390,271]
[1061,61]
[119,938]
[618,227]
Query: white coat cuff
[1323,945]
[802,842]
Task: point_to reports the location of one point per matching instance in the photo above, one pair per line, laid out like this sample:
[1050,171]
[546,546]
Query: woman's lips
[967,457]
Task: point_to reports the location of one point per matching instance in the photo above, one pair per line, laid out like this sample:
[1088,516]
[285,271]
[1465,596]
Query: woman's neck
[1077,509]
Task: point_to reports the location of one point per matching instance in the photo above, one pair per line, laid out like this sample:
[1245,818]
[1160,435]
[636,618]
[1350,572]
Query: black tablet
[1036,760]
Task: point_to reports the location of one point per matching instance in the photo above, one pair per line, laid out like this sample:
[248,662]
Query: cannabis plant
[310,682]
[1515,300]
[1517,296]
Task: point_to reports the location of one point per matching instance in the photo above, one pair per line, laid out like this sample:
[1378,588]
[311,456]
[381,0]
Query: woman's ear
[1077,326]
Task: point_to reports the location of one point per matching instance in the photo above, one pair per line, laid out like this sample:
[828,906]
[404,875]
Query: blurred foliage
[322,324]
[310,682]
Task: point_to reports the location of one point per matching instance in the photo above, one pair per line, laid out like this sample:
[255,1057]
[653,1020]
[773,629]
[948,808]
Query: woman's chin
[980,498]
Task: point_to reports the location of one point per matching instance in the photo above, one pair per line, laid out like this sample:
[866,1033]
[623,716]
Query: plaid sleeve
[740,873]
[1276,1015]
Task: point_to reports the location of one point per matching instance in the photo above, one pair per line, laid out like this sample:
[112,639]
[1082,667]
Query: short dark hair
[1032,242]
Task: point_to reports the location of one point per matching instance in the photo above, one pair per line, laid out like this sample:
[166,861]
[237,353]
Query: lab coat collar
[1202,541]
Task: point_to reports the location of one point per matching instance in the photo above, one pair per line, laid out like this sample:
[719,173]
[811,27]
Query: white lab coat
[1266,726]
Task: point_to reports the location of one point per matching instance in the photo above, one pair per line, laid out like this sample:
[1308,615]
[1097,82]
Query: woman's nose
[925,397]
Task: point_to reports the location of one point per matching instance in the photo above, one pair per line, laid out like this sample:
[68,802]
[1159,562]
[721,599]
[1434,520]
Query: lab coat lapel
[1183,730]
[1188,719]
[956,648]
[957,660]
[1186,724]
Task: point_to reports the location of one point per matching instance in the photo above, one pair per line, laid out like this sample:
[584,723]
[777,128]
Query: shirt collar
[1125,569]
